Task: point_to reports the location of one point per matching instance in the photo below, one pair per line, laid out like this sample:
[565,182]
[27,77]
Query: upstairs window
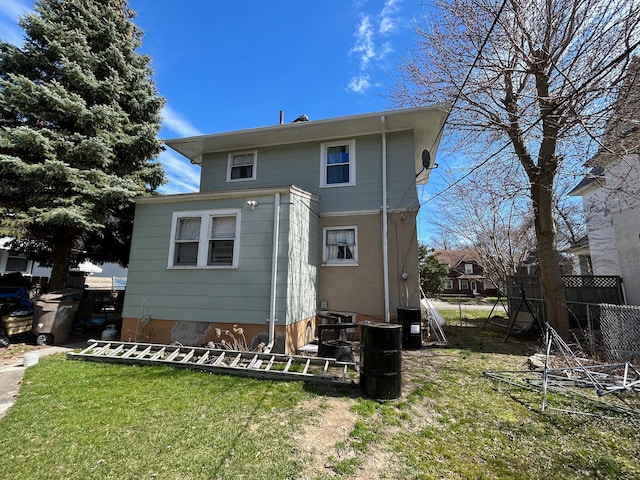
[338,163]
[468,268]
[207,239]
[242,166]
[340,246]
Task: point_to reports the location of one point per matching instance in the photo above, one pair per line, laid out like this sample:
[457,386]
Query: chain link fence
[620,330]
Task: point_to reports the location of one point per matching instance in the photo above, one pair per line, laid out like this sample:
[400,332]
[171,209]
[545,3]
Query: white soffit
[425,122]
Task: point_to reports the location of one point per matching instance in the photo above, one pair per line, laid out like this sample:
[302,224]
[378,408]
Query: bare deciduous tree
[544,75]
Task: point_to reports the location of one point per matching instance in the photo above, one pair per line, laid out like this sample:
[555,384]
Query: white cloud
[176,123]
[388,17]
[359,84]
[370,45]
[183,176]
[364,42]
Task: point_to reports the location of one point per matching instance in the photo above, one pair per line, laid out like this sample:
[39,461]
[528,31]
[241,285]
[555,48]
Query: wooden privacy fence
[584,296]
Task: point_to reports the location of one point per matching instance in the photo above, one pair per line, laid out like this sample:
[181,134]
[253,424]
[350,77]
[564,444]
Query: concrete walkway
[12,371]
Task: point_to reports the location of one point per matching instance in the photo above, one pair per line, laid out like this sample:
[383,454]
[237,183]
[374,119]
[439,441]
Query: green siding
[239,295]
[302,254]
[299,165]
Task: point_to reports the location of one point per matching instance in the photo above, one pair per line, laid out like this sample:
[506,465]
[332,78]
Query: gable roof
[425,122]
[453,258]
[595,178]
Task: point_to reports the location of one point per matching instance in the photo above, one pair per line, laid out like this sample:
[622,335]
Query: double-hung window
[468,268]
[338,163]
[205,239]
[242,166]
[340,246]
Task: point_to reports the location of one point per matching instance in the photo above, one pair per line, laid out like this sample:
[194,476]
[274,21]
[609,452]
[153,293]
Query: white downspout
[385,246]
[274,273]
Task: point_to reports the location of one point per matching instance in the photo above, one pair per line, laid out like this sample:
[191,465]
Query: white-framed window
[205,239]
[449,285]
[338,163]
[242,166]
[468,268]
[340,245]
[464,284]
[17,263]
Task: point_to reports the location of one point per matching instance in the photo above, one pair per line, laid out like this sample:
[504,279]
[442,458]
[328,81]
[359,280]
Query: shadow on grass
[471,336]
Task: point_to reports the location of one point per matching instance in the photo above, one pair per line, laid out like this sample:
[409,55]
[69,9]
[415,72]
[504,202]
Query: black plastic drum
[410,319]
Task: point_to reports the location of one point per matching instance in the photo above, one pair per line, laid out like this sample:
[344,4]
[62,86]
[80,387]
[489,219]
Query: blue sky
[232,65]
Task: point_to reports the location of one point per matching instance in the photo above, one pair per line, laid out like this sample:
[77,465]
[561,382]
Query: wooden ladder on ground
[231,362]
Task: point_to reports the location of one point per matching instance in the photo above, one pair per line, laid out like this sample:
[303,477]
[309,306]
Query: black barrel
[381,360]
[409,318]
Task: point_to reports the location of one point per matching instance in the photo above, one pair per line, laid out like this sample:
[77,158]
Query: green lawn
[81,420]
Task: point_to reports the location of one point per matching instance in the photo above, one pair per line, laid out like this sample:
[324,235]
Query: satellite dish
[426,159]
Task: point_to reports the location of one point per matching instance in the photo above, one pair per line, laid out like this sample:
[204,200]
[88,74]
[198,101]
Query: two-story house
[610,192]
[290,220]
[466,276]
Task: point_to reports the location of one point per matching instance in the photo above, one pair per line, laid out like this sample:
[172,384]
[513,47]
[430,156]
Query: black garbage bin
[380,360]
[409,318]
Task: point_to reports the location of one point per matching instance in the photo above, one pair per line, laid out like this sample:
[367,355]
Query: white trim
[351,262]
[203,240]
[253,170]
[352,163]
[376,211]
[225,194]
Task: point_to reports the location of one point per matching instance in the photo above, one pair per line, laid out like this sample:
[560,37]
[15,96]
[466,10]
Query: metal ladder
[231,362]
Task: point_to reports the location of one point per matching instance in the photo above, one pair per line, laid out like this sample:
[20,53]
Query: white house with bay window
[327,221]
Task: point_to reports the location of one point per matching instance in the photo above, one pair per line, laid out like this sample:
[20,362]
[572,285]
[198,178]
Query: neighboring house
[466,274]
[581,257]
[529,265]
[12,261]
[290,220]
[610,192]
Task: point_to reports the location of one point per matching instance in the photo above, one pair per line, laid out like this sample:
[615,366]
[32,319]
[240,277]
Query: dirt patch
[322,438]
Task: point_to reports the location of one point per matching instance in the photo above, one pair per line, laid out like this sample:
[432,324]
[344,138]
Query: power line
[459,92]
[608,66]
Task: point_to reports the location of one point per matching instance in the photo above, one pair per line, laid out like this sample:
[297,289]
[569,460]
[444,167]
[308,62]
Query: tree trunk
[61,261]
[550,272]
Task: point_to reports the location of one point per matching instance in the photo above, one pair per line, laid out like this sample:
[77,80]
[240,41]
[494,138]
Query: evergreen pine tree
[79,118]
